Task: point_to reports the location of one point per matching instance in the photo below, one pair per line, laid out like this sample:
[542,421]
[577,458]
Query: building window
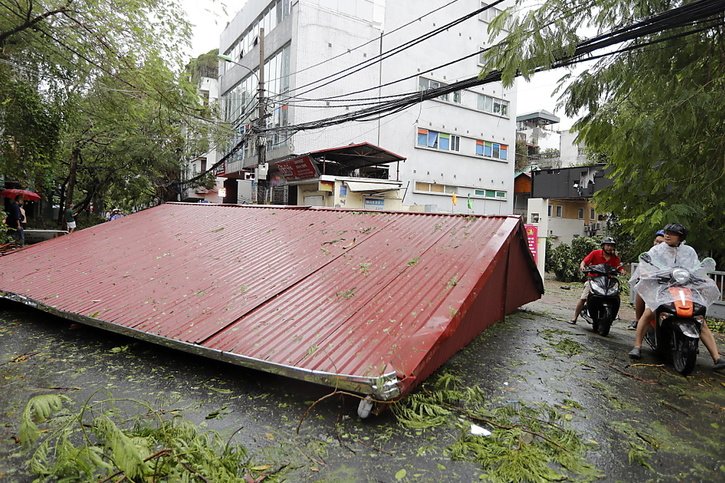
[273,15]
[493,105]
[492,194]
[580,213]
[548,212]
[489,14]
[558,211]
[490,149]
[438,140]
[457,97]
[428,84]
[592,214]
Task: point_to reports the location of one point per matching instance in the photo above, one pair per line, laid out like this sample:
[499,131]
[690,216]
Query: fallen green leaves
[564,345]
[527,443]
[98,443]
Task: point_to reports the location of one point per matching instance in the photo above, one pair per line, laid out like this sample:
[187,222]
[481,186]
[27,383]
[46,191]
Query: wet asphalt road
[516,360]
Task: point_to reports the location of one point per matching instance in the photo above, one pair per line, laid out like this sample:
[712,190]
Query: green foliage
[653,113]
[99,443]
[564,260]
[549,266]
[38,410]
[206,65]
[522,154]
[527,443]
[93,99]
[716,325]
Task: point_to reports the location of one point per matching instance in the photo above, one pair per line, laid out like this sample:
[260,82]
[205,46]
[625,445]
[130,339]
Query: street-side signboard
[298,168]
[532,238]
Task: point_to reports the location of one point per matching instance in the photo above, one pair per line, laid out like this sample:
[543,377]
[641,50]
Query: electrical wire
[675,18]
[394,51]
[376,39]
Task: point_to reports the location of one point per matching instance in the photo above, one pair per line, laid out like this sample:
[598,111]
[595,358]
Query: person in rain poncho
[665,256]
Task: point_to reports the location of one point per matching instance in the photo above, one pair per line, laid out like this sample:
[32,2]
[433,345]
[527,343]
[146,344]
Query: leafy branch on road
[97,443]
[526,443]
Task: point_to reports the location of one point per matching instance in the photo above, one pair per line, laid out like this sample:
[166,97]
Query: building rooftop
[371,302]
[539,118]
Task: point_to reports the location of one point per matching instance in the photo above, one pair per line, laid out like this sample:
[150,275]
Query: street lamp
[228,58]
[261,140]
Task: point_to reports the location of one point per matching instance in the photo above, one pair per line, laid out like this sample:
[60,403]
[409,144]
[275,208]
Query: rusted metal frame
[384,387]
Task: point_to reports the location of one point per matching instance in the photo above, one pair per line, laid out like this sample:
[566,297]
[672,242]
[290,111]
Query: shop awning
[361,186]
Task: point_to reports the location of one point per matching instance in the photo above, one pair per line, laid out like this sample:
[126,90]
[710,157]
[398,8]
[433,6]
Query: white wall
[562,230]
[570,150]
[398,132]
[321,29]
[537,209]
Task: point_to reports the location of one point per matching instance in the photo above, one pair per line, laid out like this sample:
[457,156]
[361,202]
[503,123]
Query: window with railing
[273,15]
[241,103]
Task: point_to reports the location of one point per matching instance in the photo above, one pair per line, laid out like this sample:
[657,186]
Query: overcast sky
[209,17]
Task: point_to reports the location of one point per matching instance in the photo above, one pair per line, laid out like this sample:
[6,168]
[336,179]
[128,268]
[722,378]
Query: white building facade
[459,149]
[208,90]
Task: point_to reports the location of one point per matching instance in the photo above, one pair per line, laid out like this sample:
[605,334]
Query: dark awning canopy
[356,156]
[337,161]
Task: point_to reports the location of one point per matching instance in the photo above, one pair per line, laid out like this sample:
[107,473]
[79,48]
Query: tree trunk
[72,171]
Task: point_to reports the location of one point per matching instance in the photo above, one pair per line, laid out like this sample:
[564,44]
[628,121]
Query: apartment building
[212,190]
[459,148]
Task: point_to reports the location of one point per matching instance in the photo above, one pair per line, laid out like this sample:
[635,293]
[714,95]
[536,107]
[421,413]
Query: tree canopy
[95,105]
[654,112]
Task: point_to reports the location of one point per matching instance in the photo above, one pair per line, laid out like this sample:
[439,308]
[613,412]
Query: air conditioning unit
[261,171]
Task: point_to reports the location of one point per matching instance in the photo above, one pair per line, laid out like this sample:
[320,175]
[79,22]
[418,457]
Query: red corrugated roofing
[368,301]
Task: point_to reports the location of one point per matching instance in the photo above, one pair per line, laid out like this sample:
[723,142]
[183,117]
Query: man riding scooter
[605,255]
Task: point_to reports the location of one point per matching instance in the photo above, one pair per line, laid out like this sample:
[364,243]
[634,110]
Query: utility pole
[261,122]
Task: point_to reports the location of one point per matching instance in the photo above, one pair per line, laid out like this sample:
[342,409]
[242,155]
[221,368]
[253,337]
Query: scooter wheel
[684,354]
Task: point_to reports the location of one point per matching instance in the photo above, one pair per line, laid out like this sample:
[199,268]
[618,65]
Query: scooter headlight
[680,275]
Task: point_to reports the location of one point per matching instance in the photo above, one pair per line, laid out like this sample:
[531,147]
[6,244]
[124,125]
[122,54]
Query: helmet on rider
[677,229]
[608,241]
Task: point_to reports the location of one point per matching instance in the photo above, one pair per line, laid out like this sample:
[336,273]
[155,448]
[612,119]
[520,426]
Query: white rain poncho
[663,258]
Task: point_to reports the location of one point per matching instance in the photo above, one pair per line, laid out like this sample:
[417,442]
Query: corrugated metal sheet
[372,302]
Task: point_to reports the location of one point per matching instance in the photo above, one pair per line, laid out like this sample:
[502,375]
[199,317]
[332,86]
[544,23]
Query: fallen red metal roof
[372,302]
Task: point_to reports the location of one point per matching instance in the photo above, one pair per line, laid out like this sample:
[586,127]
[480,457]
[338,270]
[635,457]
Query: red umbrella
[26,194]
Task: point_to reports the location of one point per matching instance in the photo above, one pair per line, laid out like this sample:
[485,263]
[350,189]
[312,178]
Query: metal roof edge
[412,213]
[385,387]
[234,205]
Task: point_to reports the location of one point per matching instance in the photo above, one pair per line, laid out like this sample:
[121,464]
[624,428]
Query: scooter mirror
[644,257]
[708,264]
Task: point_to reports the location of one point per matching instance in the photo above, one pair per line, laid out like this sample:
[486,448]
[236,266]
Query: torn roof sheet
[371,302]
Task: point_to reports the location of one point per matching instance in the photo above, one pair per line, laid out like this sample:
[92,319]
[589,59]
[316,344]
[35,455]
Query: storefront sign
[532,238]
[297,169]
[374,204]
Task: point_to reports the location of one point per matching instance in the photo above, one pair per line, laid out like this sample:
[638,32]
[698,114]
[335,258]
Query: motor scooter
[602,304]
[682,296]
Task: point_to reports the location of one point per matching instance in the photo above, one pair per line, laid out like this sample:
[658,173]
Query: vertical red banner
[532,238]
